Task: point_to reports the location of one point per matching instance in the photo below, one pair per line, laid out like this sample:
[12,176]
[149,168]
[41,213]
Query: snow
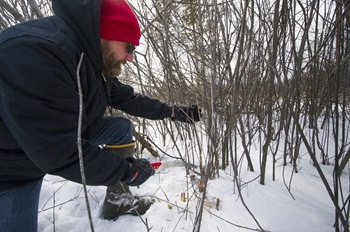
[271,204]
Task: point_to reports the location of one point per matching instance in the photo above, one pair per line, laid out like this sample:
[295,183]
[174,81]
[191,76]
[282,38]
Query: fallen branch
[145,143]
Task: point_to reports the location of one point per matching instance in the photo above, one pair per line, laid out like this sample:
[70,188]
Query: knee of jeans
[125,127]
[130,129]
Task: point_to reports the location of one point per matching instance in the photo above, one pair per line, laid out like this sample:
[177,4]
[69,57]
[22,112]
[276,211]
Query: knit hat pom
[118,22]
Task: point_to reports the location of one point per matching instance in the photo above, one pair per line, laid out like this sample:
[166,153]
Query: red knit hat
[118,22]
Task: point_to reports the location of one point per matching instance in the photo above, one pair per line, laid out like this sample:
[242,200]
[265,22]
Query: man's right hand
[140,171]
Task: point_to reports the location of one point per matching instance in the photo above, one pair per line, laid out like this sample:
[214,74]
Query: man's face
[114,54]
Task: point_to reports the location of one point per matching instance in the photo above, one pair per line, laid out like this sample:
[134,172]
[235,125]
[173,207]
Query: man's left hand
[187,114]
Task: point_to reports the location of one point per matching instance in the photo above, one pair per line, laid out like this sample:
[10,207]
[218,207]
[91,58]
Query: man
[39,107]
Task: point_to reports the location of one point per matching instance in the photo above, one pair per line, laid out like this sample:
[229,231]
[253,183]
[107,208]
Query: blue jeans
[19,206]
[112,130]
[19,201]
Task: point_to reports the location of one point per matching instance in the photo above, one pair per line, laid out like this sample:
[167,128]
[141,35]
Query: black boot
[119,200]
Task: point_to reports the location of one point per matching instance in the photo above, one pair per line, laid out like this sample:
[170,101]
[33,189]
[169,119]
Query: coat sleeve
[124,98]
[39,103]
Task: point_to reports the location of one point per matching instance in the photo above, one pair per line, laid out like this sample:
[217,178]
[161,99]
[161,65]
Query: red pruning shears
[156,165]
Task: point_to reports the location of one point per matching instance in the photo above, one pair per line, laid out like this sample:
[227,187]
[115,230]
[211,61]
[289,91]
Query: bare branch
[81,160]
[12,10]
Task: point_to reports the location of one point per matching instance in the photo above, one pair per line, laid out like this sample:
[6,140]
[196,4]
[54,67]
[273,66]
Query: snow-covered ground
[271,204]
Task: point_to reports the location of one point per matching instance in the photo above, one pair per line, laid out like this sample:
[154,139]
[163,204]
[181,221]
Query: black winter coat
[39,101]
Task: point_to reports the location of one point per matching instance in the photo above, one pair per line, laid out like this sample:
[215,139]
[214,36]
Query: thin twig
[170,203]
[81,161]
[60,204]
[53,211]
[239,188]
[42,208]
[231,223]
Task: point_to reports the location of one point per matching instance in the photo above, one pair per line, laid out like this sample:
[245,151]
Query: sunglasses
[130,48]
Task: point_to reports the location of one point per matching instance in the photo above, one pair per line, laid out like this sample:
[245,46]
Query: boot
[119,200]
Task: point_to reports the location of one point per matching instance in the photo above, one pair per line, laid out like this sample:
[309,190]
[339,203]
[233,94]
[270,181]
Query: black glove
[140,171]
[188,114]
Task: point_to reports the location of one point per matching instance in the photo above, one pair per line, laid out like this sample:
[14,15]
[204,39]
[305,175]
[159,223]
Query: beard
[110,66]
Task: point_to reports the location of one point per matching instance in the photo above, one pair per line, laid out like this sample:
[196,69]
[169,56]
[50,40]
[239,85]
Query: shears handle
[156,165]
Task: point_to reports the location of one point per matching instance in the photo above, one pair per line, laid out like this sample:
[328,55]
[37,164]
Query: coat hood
[83,16]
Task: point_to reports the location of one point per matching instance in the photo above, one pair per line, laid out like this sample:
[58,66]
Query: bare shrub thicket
[273,73]
[17,11]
